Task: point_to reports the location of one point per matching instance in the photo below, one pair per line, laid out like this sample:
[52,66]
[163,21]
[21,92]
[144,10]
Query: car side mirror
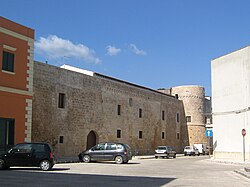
[13,150]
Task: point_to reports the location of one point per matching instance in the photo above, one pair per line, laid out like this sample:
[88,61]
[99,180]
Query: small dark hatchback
[119,152]
[28,154]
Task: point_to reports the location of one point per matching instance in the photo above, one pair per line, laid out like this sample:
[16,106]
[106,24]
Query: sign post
[243,132]
[209,133]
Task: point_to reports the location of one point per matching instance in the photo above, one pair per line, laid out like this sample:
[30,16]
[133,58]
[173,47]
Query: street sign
[209,133]
[243,132]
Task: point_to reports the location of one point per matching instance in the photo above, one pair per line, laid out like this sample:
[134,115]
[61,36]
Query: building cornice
[14,34]
[15,91]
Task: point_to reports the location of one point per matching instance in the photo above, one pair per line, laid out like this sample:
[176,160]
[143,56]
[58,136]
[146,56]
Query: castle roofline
[98,75]
[131,84]
[79,70]
[188,86]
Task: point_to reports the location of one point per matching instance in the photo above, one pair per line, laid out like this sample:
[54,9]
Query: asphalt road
[182,171]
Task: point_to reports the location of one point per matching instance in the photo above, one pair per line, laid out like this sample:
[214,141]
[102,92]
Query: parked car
[28,154]
[119,152]
[165,152]
[191,150]
[201,148]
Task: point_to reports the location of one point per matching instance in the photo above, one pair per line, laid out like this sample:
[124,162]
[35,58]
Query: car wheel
[86,158]
[2,164]
[118,159]
[185,154]
[156,156]
[167,156]
[125,162]
[174,156]
[45,165]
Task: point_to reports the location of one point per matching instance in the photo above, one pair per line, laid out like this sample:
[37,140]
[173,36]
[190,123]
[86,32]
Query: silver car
[165,152]
[191,150]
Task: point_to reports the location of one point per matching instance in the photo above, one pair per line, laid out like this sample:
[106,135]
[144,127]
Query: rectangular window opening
[8,61]
[163,115]
[188,118]
[178,136]
[162,135]
[61,139]
[118,133]
[140,134]
[140,113]
[119,110]
[177,117]
[61,100]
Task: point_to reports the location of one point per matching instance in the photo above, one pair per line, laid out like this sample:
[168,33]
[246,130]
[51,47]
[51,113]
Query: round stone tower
[193,98]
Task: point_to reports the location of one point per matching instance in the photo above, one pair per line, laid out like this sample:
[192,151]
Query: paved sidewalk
[245,171]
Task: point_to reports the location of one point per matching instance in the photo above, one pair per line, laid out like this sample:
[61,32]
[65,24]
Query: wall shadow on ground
[28,179]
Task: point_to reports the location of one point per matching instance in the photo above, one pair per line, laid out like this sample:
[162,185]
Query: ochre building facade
[16,82]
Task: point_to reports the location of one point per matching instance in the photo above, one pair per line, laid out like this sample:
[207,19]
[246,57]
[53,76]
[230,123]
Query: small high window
[119,110]
[8,61]
[118,133]
[61,139]
[61,100]
[162,135]
[140,113]
[163,115]
[140,134]
[188,118]
[177,117]
[178,136]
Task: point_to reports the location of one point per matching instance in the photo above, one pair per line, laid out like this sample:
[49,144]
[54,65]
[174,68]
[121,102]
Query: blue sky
[153,43]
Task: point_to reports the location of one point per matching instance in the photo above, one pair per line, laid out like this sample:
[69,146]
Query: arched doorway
[91,139]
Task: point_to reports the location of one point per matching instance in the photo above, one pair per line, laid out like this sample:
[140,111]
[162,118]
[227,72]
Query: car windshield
[161,148]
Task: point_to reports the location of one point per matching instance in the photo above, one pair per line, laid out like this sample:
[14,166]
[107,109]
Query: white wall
[230,100]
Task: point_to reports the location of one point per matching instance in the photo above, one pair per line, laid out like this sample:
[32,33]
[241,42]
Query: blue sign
[209,133]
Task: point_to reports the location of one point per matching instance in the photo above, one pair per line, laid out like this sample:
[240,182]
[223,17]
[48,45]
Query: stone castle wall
[193,98]
[91,105]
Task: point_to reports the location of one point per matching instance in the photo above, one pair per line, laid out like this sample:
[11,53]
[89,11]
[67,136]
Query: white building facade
[231,105]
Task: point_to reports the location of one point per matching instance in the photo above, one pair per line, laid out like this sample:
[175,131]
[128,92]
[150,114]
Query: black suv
[28,154]
[120,153]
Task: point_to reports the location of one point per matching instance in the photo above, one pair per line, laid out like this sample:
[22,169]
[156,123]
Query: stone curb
[76,160]
[243,173]
[228,162]
[67,161]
